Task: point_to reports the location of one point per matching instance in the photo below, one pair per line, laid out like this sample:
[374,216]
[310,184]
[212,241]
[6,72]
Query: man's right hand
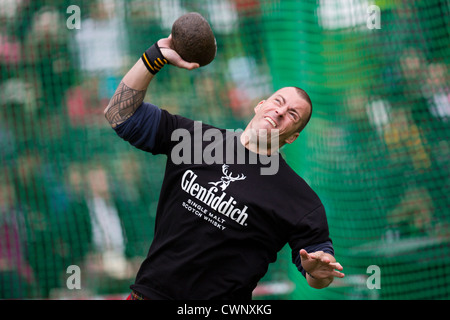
[172,56]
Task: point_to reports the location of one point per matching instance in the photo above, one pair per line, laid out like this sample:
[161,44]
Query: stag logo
[226,179]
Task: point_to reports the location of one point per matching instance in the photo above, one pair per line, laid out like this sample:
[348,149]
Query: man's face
[281,114]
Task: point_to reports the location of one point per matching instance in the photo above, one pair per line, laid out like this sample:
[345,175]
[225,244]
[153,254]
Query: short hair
[302,93]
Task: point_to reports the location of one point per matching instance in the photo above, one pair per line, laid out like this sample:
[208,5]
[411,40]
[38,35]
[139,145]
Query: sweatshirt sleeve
[141,128]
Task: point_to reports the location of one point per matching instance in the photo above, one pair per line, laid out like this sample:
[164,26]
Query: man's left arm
[312,250]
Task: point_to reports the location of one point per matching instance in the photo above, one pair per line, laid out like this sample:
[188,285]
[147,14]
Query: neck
[252,142]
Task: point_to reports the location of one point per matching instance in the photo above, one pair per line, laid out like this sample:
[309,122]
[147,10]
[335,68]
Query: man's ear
[292,138]
[259,105]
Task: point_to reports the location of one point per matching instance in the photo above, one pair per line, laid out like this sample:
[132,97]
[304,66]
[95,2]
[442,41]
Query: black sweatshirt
[219,224]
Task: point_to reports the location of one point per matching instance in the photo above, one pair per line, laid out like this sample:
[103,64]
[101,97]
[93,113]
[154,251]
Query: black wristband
[153,59]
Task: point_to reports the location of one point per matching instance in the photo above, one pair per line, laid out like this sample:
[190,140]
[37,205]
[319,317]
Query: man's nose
[281,111]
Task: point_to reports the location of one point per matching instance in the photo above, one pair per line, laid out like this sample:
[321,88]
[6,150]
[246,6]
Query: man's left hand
[321,268]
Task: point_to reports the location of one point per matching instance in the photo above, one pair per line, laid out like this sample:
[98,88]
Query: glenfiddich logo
[214,198]
[226,179]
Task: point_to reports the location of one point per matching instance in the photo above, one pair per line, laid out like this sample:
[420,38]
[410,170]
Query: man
[219,224]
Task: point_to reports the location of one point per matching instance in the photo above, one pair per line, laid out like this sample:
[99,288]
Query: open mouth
[271,121]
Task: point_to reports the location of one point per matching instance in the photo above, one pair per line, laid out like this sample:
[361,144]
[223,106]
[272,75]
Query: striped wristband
[153,59]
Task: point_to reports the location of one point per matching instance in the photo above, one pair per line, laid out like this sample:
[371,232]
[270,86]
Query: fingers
[187,65]
[319,255]
[165,42]
[333,265]
[174,58]
[321,261]
[336,265]
[338,274]
[304,254]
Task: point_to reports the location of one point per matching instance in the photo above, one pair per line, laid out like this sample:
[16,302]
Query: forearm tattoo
[123,104]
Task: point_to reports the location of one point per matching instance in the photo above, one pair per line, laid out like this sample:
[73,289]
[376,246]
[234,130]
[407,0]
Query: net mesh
[376,150]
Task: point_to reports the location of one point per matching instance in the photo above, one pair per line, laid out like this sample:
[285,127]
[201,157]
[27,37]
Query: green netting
[376,150]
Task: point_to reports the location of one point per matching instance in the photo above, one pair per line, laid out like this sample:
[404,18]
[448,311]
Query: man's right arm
[131,90]
[129,94]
